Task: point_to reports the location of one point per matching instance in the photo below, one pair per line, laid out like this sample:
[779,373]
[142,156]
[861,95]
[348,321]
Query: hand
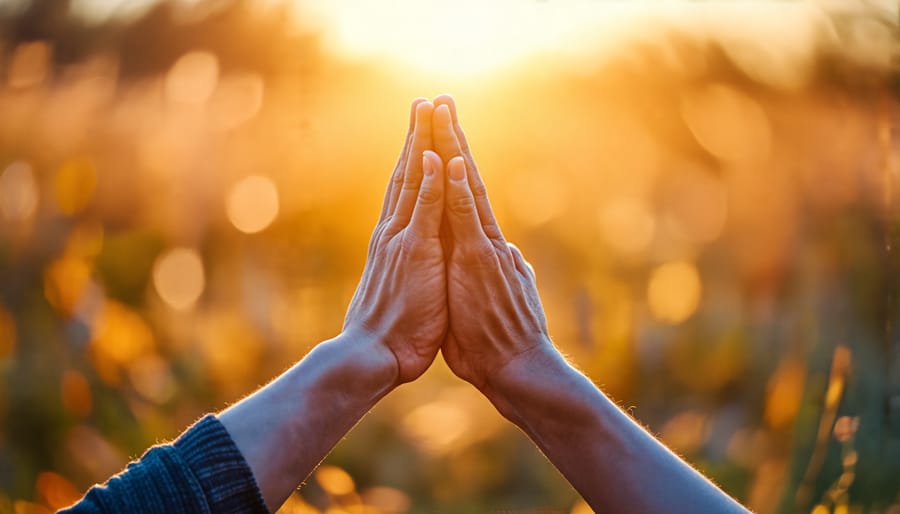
[401,300]
[495,311]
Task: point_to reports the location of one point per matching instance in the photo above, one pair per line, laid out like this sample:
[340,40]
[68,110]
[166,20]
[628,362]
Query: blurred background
[708,192]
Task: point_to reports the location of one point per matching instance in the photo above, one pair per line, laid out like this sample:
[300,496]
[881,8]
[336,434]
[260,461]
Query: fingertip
[447,99]
[412,111]
[456,169]
[442,116]
[424,108]
[430,162]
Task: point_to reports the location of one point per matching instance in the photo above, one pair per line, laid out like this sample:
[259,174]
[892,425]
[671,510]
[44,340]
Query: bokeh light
[785,393]
[120,337]
[237,99]
[54,489]
[673,292]
[252,204]
[710,112]
[74,185]
[387,499]
[334,480]
[152,378]
[192,79]
[66,282]
[627,225]
[179,278]
[76,393]
[18,192]
[453,420]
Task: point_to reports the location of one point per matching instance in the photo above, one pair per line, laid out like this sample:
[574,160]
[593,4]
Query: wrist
[538,385]
[308,409]
[356,364]
[515,380]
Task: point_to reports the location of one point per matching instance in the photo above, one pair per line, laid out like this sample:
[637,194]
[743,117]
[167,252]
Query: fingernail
[426,164]
[457,169]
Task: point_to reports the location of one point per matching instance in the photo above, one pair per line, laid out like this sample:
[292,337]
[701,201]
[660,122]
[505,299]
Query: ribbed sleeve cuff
[220,468]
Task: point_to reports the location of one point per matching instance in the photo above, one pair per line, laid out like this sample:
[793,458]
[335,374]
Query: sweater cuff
[224,475]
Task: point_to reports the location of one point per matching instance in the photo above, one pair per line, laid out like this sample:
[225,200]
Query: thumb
[462,214]
[429,208]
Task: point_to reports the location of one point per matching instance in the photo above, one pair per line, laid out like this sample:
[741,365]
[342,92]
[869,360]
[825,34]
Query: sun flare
[465,36]
[474,37]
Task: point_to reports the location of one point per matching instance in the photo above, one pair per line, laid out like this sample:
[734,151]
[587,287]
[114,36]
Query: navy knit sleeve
[202,471]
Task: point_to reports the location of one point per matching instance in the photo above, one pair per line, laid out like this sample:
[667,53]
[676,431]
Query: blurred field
[708,194]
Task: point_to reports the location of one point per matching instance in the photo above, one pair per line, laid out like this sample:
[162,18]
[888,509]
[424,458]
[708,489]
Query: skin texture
[440,276]
[395,325]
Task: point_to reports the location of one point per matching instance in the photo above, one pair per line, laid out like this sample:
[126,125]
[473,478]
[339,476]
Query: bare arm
[394,327]
[611,460]
[499,342]
[286,428]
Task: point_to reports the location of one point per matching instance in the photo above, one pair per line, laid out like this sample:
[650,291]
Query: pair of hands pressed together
[440,277]
[439,274]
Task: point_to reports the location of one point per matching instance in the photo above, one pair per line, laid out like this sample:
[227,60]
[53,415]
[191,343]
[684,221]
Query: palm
[461,350]
[419,330]
[402,296]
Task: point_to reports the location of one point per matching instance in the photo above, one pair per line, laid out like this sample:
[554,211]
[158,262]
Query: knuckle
[391,227]
[479,191]
[428,196]
[479,253]
[492,229]
[414,245]
[463,204]
[411,181]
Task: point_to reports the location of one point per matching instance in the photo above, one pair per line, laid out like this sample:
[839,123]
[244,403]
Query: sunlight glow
[472,37]
[466,36]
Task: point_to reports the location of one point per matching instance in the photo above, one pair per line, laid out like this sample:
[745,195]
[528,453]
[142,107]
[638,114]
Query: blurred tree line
[241,35]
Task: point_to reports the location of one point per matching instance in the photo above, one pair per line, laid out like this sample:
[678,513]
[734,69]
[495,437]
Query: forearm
[285,429]
[614,463]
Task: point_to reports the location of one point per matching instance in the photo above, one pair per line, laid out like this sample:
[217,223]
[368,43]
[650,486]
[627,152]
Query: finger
[524,267]
[462,214]
[393,189]
[479,191]
[426,218]
[412,175]
[445,142]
